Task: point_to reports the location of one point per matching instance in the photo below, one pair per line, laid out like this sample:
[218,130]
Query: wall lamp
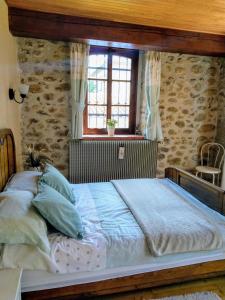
[24,89]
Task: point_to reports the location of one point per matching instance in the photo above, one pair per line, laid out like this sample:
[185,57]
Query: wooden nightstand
[10,284]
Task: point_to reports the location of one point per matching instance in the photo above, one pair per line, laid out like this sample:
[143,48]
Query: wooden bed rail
[131,283]
[211,195]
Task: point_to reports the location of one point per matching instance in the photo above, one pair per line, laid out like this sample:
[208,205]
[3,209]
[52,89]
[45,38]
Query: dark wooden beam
[106,33]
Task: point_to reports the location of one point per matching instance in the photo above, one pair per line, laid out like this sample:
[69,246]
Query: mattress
[125,245]
[41,280]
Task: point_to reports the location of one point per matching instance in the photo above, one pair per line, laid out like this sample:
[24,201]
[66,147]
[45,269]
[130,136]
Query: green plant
[35,157]
[111,123]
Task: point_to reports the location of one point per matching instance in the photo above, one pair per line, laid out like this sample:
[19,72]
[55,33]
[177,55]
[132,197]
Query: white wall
[9,110]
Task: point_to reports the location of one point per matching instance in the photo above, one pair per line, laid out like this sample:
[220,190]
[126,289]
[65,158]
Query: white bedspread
[170,222]
[113,239]
[127,250]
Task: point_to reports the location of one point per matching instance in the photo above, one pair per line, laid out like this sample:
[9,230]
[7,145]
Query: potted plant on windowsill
[111,124]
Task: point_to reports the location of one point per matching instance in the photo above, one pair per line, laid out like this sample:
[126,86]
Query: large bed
[119,253]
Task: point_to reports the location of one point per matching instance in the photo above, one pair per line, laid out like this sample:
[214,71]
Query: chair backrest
[212,155]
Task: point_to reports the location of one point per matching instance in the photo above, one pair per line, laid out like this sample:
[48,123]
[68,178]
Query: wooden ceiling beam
[97,32]
[192,15]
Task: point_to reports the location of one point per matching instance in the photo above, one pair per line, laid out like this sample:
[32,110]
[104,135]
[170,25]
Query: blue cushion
[55,179]
[58,211]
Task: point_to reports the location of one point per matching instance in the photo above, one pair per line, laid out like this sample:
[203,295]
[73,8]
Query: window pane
[120,93]
[96,116]
[97,73]
[97,92]
[98,61]
[121,75]
[120,62]
[121,115]
[99,84]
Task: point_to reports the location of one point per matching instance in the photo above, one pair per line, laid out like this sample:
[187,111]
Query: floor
[216,285]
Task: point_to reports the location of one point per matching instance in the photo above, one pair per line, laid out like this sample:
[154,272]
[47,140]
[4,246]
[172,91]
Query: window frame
[133,54]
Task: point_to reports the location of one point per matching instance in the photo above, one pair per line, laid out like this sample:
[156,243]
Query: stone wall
[188,102]
[220,137]
[188,108]
[46,112]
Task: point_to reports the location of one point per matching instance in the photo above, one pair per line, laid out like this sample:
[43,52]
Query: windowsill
[112,138]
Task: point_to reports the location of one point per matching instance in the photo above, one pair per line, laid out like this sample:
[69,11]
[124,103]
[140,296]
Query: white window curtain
[149,86]
[79,54]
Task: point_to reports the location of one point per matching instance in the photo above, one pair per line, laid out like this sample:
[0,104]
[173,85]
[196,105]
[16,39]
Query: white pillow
[15,203]
[24,181]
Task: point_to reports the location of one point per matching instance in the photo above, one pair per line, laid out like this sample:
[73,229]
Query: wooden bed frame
[7,156]
[206,192]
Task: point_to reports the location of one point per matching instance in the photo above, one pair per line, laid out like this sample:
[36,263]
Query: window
[112,81]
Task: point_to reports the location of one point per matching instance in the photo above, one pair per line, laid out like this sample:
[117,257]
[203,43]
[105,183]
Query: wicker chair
[212,157]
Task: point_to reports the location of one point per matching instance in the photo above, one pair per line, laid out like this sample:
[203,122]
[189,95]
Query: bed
[140,270]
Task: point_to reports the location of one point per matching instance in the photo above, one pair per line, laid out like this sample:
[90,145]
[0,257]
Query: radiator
[92,161]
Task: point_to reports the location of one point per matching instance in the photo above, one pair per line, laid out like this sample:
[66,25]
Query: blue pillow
[59,212]
[56,180]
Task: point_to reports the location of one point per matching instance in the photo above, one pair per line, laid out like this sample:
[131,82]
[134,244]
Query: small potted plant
[111,124]
[35,157]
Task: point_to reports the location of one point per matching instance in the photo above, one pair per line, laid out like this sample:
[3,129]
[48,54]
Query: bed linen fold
[170,222]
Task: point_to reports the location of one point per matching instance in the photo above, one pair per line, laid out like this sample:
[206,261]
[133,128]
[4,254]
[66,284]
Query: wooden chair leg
[218,179]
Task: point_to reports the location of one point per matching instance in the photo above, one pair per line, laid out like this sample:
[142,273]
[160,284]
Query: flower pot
[111,131]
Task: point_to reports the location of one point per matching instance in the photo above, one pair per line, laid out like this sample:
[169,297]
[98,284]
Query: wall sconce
[24,89]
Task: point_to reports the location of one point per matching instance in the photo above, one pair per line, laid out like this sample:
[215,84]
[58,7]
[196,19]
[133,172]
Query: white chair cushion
[208,170]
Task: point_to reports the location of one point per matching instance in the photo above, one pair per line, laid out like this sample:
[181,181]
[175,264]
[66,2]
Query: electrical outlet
[121,153]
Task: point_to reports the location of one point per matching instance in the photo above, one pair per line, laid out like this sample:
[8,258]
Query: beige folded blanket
[170,222]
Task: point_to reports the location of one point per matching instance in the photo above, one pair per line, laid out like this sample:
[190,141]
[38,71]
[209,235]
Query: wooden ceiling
[207,16]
